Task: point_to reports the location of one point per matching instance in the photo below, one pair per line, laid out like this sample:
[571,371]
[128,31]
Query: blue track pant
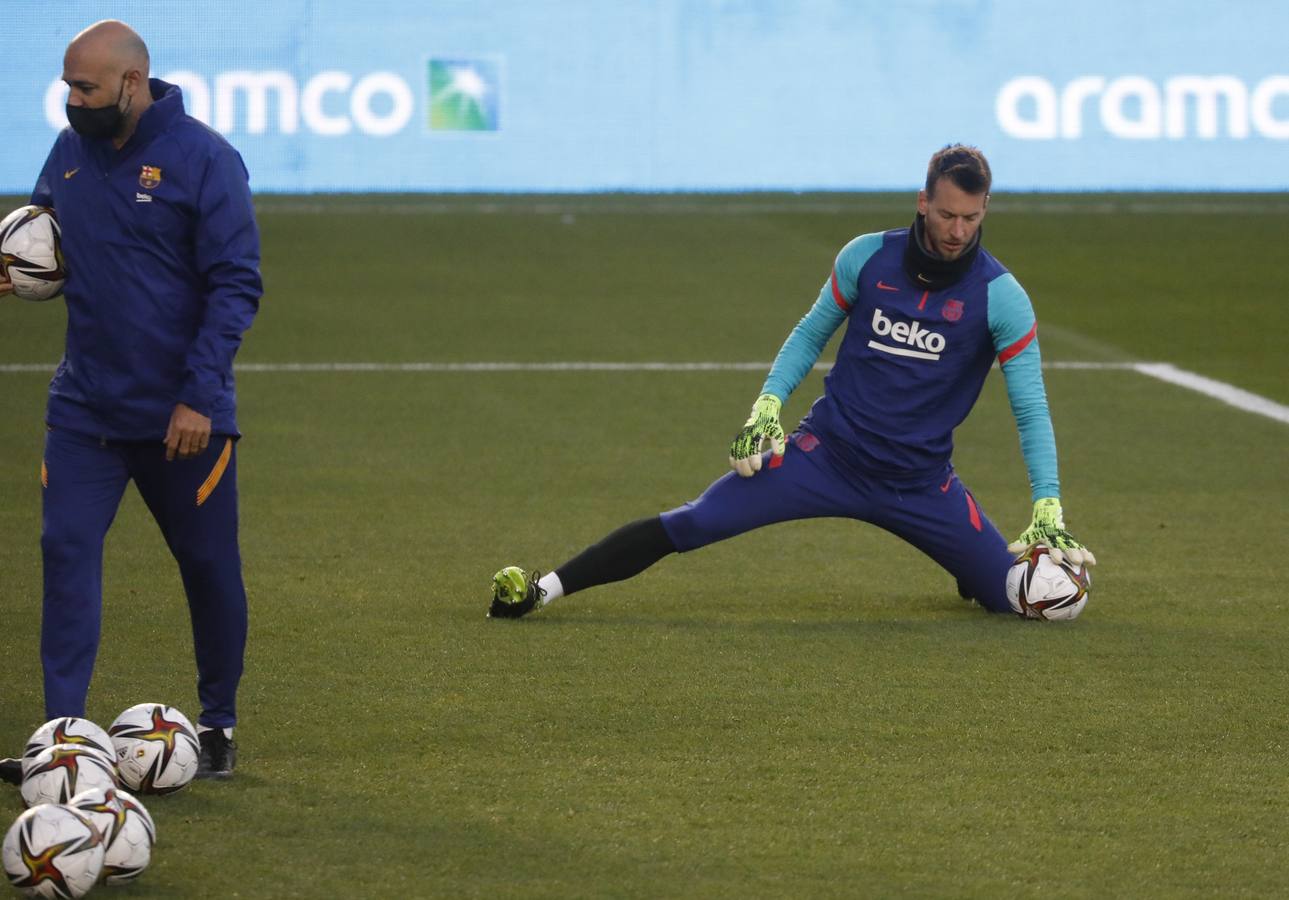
[941,519]
[194,501]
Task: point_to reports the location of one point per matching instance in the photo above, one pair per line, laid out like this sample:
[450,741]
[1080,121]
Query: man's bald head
[110,43]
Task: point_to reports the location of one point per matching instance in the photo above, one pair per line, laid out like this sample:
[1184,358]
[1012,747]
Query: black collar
[931,272]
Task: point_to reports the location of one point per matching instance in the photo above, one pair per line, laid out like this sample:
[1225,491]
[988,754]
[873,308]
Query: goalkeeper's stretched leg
[793,488]
[626,552]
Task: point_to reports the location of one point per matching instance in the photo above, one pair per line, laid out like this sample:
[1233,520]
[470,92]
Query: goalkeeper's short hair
[964,166]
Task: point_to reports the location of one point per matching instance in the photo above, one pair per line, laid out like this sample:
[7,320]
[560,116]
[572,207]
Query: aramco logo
[1136,108]
[463,95]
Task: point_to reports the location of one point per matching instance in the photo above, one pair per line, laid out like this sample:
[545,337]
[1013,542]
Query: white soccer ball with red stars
[127,828]
[156,748]
[52,851]
[1038,587]
[31,253]
[70,730]
[58,773]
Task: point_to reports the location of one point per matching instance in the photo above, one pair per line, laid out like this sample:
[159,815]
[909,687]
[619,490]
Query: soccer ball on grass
[58,773]
[52,851]
[31,253]
[69,730]
[128,831]
[1040,588]
[156,748]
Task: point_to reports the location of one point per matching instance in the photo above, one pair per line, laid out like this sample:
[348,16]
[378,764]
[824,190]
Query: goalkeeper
[929,312]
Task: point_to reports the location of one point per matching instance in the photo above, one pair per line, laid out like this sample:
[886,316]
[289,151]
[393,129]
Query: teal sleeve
[800,351]
[1015,336]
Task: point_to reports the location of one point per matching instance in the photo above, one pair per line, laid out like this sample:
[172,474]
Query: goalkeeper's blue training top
[913,361]
[162,255]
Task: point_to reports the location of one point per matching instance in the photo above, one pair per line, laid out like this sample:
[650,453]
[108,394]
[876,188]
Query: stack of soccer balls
[31,254]
[81,827]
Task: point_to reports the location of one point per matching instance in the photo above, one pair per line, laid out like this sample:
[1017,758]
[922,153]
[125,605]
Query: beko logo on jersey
[929,344]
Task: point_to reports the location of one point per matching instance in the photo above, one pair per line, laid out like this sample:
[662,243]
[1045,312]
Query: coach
[162,254]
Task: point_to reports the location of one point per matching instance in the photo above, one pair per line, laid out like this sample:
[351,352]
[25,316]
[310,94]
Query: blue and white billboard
[588,95]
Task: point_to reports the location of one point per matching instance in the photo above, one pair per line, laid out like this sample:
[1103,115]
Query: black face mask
[929,271]
[99,121]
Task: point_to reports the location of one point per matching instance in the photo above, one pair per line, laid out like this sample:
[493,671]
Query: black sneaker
[218,755]
[11,771]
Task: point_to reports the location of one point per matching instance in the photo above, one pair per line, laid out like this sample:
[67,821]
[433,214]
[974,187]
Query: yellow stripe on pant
[212,480]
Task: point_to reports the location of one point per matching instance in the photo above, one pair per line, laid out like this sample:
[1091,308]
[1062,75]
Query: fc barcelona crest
[952,310]
[149,177]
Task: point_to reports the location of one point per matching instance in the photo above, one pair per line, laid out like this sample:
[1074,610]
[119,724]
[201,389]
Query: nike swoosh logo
[944,488]
[70,172]
[883,286]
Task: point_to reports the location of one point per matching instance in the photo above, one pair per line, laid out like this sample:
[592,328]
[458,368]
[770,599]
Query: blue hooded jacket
[162,255]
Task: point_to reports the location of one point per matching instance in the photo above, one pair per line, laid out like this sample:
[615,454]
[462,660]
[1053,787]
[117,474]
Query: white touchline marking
[1210,387]
[1220,390]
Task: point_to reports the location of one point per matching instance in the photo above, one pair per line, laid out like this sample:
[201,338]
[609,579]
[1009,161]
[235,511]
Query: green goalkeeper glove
[763,425]
[1048,528]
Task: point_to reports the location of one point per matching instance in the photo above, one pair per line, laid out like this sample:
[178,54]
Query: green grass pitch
[808,710]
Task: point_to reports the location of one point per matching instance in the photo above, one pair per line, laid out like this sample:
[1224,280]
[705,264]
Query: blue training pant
[941,519]
[194,501]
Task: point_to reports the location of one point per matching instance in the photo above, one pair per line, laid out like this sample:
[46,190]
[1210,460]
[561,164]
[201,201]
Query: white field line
[1218,390]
